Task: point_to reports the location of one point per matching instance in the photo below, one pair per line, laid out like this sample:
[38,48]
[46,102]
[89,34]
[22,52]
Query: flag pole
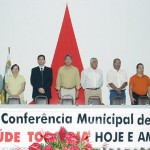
[6,74]
[9,50]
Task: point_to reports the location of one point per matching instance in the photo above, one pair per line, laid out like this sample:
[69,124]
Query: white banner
[119,127]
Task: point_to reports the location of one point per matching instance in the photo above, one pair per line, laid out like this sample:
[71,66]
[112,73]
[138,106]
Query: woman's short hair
[15,65]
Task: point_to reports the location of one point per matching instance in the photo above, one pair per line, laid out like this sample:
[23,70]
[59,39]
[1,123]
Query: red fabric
[66,45]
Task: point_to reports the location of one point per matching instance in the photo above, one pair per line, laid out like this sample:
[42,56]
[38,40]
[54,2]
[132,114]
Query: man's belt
[139,94]
[67,88]
[115,90]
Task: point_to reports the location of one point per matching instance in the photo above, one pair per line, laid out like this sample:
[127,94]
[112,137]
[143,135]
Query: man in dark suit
[41,79]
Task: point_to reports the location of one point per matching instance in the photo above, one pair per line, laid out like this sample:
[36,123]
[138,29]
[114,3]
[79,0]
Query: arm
[130,93]
[83,80]
[109,81]
[125,81]
[7,90]
[49,80]
[58,81]
[51,77]
[78,86]
[149,87]
[118,90]
[112,86]
[101,79]
[33,81]
[131,85]
[123,85]
[149,91]
[58,84]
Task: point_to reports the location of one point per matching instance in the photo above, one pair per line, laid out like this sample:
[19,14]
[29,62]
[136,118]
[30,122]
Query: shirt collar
[93,69]
[16,76]
[138,76]
[68,67]
[42,67]
[116,70]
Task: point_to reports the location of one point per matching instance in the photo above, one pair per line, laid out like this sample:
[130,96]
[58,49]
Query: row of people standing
[68,81]
[41,80]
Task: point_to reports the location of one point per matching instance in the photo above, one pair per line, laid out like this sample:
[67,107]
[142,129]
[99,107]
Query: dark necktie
[42,75]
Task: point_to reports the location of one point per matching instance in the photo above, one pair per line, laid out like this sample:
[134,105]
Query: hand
[118,90]
[132,100]
[15,96]
[41,90]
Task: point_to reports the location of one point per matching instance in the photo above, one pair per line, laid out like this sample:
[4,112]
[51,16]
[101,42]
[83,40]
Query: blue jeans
[113,94]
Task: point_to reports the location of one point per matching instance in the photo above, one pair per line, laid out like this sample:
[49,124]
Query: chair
[143,100]
[12,100]
[118,100]
[43,100]
[94,100]
[67,100]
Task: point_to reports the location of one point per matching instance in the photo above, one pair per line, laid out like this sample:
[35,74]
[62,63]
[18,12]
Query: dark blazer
[36,81]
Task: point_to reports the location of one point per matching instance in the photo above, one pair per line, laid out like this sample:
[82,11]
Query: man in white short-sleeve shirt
[92,80]
[117,80]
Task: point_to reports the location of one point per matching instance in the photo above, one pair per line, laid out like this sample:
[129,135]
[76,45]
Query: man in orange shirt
[139,85]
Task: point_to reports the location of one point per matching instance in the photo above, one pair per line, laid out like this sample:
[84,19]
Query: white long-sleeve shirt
[91,78]
[116,77]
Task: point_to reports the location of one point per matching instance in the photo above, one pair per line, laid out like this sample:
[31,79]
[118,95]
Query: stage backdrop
[105,29]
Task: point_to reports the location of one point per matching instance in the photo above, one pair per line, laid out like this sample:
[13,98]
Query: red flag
[66,45]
